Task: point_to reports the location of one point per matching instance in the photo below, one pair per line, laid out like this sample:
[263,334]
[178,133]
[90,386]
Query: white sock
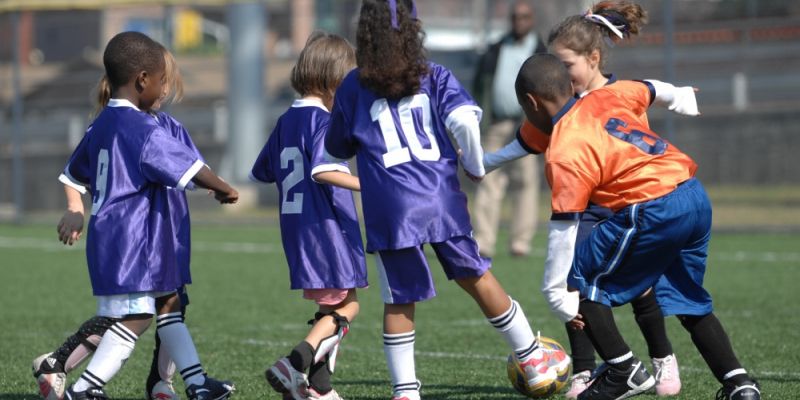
[399,350]
[175,338]
[514,328]
[112,352]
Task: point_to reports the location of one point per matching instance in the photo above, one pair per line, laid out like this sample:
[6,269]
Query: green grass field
[243,317]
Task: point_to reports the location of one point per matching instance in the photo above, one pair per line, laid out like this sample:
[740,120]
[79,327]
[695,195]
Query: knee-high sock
[651,323]
[399,350]
[112,352]
[582,350]
[605,336]
[176,339]
[514,328]
[711,340]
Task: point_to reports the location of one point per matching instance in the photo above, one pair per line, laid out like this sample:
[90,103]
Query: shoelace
[662,369]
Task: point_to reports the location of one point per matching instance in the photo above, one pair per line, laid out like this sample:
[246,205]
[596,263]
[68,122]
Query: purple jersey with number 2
[128,161]
[406,162]
[319,224]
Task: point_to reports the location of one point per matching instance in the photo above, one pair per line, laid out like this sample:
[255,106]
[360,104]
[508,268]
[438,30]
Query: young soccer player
[319,225]
[51,369]
[581,43]
[128,161]
[602,150]
[394,113]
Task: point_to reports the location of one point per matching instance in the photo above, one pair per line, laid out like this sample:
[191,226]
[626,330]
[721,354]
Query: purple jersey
[178,205]
[128,160]
[319,225]
[406,162]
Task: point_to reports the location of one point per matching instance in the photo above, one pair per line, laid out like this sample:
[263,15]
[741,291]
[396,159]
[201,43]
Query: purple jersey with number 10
[319,224]
[128,160]
[406,162]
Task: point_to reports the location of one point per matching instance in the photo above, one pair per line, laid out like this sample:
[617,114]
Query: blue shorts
[406,278]
[661,243]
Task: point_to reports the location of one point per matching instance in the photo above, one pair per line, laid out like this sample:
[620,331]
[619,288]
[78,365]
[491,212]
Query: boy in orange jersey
[602,150]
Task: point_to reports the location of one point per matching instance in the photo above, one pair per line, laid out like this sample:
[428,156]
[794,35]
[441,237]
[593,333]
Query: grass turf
[243,317]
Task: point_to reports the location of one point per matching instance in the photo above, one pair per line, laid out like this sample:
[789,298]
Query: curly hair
[391,61]
[584,35]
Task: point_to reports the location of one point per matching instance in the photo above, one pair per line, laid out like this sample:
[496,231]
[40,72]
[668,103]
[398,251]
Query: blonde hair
[103,91]
[322,65]
[584,34]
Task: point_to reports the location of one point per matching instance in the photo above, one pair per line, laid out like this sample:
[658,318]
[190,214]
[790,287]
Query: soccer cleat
[668,380]
[285,379]
[406,396]
[748,391]
[543,365]
[50,377]
[88,394]
[332,395]
[613,384]
[578,383]
[211,389]
[162,390]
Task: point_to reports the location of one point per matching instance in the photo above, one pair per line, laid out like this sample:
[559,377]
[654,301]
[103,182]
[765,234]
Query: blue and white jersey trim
[68,180]
[327,168]
[189,174]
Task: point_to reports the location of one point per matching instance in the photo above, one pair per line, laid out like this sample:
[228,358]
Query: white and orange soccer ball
[544,389]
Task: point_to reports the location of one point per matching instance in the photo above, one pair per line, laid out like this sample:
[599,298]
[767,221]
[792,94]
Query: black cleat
[88,394]
[613,384]
[211,389]
[749,391]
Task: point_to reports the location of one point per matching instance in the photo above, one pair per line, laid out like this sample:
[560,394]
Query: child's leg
[711,340]
[582,350]
[162,368]
[651,322]
[399,338]
[114,349]
[317,353]
[177,340]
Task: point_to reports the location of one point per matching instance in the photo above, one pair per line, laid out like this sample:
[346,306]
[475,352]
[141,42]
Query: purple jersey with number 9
[406,162]
[128,160]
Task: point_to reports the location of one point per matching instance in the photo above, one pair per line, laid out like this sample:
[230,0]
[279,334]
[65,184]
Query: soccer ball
[545,389]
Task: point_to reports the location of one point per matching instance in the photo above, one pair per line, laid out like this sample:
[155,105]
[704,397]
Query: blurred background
[235,56]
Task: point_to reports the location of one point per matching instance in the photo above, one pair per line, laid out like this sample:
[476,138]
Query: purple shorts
[406,278]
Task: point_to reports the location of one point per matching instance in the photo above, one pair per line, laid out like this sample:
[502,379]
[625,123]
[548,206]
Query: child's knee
[137,323]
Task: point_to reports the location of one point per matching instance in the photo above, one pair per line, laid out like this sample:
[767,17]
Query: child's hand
[229,197]
[70,227]
[577,323]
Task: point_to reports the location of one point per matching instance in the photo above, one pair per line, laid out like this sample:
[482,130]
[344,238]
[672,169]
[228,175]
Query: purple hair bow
[393,10]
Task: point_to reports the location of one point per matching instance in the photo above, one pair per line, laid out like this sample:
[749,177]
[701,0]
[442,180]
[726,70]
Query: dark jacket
[484,75]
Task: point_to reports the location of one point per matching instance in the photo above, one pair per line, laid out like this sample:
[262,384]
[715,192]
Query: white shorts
[120,305]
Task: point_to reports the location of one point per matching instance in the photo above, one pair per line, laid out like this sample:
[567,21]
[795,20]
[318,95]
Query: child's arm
[560,252]
[681,100]
[464,124]
[223,192]
[338,178]
[511,152]
[70,227]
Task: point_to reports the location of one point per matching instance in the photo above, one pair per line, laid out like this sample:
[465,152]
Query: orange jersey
[602,150]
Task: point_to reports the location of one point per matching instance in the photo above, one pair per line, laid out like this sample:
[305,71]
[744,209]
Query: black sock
[711,340]
[651,322]
[320,378]
[582,350]
[302,356]
[603,332]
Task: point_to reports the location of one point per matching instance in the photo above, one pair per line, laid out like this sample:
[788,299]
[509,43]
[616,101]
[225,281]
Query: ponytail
[103,95]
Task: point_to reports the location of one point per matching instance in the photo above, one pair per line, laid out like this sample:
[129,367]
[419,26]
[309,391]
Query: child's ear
[142,80]
[531,99]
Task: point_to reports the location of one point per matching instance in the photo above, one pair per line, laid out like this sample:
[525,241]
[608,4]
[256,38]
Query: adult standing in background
[502,115]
